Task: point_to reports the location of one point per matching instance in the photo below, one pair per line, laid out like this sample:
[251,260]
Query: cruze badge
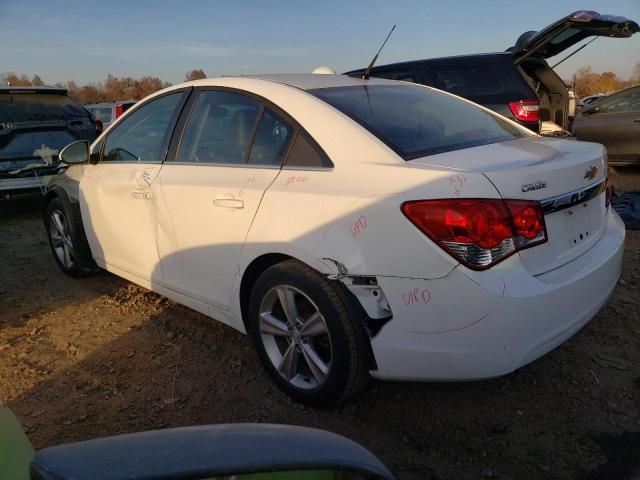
[591,172]
[534,186]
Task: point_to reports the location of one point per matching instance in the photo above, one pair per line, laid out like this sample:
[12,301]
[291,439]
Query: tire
[323,359]
[67,240]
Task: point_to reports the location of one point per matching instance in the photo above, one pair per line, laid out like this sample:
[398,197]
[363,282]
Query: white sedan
[351,227]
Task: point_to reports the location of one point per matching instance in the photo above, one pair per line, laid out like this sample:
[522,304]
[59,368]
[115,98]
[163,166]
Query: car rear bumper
[473,325]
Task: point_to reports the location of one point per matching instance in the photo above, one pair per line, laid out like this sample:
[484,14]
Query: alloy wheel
[61,238]
[296,337]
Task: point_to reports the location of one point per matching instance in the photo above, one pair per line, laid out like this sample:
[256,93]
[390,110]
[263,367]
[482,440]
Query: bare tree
[195,74]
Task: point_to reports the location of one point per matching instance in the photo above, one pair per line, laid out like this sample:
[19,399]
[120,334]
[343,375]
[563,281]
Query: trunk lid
[568,31]
[566,176]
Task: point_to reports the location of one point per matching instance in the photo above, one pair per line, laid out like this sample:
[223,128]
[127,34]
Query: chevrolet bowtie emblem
[591,172]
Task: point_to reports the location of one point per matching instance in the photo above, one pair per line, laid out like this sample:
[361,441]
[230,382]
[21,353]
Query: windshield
[416,121]
[21,107]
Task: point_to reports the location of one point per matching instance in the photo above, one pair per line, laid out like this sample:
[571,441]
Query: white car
[351,227]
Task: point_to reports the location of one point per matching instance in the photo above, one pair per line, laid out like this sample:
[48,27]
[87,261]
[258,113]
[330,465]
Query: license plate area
[581,222]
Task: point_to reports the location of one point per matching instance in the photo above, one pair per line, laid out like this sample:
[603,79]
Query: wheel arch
[265,261]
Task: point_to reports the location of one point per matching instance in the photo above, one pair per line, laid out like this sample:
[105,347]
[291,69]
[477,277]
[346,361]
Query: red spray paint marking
[296,179]
[359,226]
[457,182]
[417,297]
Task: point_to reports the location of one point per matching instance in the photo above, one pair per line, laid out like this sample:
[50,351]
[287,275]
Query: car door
[118,196]
[615,122]
[229,152]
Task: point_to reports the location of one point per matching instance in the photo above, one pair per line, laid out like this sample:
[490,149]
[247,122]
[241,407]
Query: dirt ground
[99,356]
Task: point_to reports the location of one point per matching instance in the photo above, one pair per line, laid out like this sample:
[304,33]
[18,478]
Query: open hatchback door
[568,31]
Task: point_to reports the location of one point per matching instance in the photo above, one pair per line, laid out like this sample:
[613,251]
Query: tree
[14,80]
[36,81]
[195,74]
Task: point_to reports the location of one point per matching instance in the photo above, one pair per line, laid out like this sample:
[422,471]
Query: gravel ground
[99,356]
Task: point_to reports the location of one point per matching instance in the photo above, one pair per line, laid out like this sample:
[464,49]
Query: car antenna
[575,51]
[367,72]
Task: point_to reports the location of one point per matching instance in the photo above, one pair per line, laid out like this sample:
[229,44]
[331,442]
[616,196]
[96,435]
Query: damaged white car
[352,227]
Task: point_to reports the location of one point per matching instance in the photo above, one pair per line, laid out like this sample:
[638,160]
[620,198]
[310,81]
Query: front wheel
[309,334]
[67,239]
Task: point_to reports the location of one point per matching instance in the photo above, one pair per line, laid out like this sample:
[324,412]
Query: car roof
[37,90]
[455,58]
[110,104]
[301,81]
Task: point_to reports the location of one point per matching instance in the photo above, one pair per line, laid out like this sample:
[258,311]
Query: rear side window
[219,129]
[271,140]
[306,153]
[418,121]
[467,81]
[404,75]
[102,113]
[25,107]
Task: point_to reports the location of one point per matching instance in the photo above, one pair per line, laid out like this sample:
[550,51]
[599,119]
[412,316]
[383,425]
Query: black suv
[518,83]
[35,124]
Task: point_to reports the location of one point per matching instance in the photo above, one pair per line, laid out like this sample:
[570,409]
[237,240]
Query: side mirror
[239,451]
[75,153]
[590,110]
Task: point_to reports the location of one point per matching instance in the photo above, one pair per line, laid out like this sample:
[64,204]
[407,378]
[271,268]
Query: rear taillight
[526,110]
[479,232]
[118,110]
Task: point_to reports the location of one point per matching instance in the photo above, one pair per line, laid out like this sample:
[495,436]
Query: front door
[118,195]
[230,152]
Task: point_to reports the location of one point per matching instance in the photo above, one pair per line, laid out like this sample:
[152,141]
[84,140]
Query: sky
[86,40]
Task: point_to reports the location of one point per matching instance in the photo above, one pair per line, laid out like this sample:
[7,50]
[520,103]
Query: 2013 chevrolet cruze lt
[351,227]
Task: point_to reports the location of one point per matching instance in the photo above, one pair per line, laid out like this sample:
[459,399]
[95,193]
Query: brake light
[118,110]
[525,110]
[479,232]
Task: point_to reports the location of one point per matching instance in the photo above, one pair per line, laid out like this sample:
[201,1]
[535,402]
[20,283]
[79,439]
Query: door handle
[228,202]
[141,195]
[636,120]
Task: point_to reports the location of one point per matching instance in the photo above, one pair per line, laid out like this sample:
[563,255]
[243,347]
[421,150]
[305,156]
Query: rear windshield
[25,107]
[416,121]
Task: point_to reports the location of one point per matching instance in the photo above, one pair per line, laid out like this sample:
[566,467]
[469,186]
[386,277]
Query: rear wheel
[67,239]
[309,334]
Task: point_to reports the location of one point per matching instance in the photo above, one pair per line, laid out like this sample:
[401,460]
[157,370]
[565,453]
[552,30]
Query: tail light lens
[119,110]
[479,232]
[526,110]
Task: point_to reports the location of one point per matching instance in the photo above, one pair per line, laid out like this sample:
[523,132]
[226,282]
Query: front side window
[416,121]
[624,102]
[219,129]
[143,136]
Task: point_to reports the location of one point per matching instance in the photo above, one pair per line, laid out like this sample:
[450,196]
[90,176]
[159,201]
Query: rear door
[615,122]
[568,31]
[230,151]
